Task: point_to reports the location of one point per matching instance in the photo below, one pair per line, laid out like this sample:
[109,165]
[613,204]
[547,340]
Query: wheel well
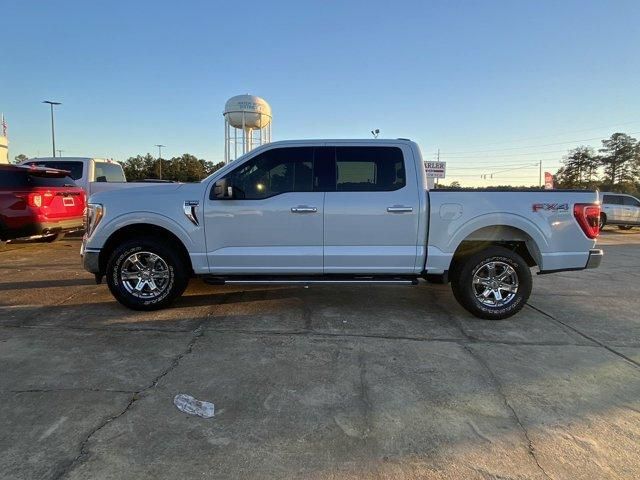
[508,237]
[137,230]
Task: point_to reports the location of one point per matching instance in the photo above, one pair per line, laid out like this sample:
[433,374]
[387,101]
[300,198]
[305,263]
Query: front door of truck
[371,219]
[273,222]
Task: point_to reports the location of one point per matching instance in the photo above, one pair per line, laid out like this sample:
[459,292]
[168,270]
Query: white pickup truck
[336,211]
[94,175]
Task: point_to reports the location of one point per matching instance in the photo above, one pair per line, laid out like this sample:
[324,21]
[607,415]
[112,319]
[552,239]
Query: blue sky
[478,80]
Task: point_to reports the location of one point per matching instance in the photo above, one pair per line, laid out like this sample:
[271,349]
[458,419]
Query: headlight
[95,212]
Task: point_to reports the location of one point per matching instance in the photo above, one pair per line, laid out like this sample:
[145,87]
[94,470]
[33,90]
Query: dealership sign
[548,181]
[435,169]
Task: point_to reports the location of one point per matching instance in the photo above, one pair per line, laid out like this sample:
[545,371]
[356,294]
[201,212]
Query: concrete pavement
[327,382]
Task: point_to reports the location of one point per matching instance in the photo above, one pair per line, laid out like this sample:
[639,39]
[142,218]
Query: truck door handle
[303,209]
[399,209]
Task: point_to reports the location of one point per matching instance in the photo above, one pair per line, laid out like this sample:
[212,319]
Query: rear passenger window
[369,169]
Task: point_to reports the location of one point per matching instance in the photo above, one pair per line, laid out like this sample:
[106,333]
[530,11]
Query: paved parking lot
[330,382]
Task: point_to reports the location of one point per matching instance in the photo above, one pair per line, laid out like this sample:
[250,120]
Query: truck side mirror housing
[222,190]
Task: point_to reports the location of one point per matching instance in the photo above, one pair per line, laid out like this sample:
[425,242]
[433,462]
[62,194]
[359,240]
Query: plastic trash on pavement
[188,404]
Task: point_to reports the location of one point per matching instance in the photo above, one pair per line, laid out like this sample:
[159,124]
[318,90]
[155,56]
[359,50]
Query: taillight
[40,199]
[588,217]
[35,200]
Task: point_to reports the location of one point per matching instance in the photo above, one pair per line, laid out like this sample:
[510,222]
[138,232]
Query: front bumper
[45,228]
[595,257]
[90,258]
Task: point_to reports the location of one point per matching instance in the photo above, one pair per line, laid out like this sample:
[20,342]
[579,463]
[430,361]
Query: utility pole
[160,158]
[53,132]
[540,173]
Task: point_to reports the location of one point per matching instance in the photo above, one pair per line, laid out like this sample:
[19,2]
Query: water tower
[247,124]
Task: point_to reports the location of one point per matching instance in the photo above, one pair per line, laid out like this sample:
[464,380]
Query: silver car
[621,210]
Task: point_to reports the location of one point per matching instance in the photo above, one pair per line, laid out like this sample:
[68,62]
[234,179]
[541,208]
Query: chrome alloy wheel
[145,275]
[495,283]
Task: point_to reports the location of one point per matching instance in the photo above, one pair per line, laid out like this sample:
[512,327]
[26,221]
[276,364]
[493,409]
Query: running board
[378,280]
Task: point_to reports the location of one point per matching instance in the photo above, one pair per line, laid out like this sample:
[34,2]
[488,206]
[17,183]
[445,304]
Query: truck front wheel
[146,274]
[493,284]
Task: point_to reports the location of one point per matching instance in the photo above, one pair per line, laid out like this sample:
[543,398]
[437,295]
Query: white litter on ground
[188,404]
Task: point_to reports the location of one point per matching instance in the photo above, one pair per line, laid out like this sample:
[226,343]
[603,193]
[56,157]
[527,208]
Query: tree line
[615,166]
[185,168]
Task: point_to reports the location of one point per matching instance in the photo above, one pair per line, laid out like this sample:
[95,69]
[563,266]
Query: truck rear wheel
[493,284]
[146,274]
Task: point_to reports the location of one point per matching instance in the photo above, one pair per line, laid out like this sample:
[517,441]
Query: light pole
[160,158]
[59,152]
[53,132]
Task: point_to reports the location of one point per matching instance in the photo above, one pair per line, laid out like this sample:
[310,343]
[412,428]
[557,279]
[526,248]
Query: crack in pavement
[52,390]
[196,334]
[498,387]
[101,329]
[469,339]
[584,335]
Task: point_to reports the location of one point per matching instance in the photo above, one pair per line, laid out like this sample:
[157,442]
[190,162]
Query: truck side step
[310,280]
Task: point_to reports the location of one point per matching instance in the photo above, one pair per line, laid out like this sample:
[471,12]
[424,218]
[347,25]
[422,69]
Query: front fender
[104,231]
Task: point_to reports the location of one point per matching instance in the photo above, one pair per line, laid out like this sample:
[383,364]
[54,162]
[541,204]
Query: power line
[559,134]
[497,165]
[548,152]
[532,146]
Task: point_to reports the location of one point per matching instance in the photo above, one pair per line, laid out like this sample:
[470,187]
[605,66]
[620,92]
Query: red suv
[39,202]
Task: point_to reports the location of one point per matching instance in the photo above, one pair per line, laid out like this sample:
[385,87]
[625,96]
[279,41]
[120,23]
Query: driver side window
[274,172]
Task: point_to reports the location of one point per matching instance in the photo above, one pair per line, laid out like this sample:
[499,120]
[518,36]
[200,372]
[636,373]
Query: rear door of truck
[371,219]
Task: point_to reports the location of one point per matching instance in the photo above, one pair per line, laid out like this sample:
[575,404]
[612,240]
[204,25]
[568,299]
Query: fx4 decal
[551,207]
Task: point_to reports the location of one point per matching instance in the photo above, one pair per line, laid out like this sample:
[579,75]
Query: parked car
[620,209]
[39,202]
[92,174]
[336,211]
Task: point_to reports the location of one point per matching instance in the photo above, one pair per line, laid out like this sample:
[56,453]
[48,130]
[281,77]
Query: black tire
[625,227]
[466,292]
[603,220]
[168,263]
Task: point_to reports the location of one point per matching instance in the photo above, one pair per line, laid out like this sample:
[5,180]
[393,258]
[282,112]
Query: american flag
[4,126]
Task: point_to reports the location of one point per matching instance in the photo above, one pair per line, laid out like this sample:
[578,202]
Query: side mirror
[101,178]
[222,189]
